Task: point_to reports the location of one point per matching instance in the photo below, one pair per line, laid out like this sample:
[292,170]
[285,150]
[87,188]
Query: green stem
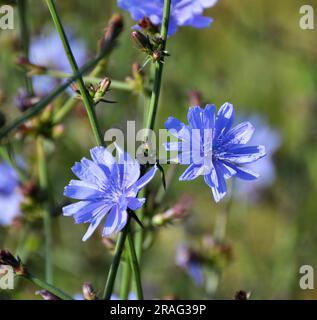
[64,110]
[100,67]
[115,263]
[219,236]
[43,180]
[125,280]
[152,109]
[85,96]
[139,236]
[46,286]
[158,70]
[135,267]
[25,39]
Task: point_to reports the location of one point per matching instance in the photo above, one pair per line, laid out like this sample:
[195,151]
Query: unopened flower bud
[141,40]
[111,33]
[89,292]
[6,258]
[102,89]
[104,85]
[46,295]
[195,98]
[177,212]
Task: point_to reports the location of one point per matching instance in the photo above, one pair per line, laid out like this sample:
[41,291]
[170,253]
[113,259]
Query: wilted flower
[212,148]
[47,50]
[191,261]
[183,12]
[8,259]
[104,186]
[10,197]
[265,166]
[242,295]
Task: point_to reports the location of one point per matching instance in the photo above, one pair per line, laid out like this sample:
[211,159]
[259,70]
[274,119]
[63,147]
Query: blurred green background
[255,56]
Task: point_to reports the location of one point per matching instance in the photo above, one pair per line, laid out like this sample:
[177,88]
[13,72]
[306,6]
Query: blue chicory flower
[10,197]
[265,166]
[106,185]
[212,148]
[183,12]
[47,50]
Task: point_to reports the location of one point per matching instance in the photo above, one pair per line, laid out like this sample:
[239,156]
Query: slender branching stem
[125,278]
[88,103]
[46,286]
[155,95]
[25,38]
[157,70]
[135,267]
[43,181]
[115,263]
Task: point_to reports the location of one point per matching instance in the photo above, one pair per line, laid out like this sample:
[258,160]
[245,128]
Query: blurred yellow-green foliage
[254,55]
